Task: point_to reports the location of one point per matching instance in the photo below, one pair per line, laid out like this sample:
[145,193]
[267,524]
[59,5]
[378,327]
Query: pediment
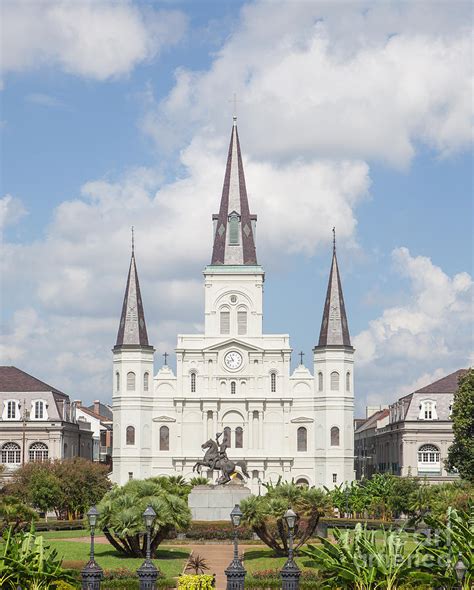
[164,419]
[302,420]
[233,342]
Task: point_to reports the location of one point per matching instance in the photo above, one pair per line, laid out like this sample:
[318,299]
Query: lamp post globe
[460,570]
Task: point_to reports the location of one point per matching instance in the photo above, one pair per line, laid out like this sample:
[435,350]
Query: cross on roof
[166,355]
[301,355]
[234,101]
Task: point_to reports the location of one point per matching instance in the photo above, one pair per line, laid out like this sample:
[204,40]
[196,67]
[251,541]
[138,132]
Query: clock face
[233,360]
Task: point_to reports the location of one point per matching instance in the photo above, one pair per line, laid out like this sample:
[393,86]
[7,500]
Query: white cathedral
[233,378]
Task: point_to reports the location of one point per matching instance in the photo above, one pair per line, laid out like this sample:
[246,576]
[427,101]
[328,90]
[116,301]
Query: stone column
[260,429]
[250,429]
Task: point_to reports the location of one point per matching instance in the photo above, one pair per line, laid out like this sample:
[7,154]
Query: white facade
[295,426]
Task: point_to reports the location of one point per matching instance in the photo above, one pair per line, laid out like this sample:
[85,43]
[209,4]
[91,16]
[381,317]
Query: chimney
[96,406]
[77,403]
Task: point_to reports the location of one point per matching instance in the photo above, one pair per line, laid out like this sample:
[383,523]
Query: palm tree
[122,508]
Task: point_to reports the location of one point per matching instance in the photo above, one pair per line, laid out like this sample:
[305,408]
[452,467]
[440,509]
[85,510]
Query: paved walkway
[218,555]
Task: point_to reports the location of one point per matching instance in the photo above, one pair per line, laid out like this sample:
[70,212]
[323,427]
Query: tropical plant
[451,538]
[356,561]
[200,582]
[265,514]
[197,564]
[461,452]
[26,562]
[379,488]
[122,508]
[199,480]
[15,514]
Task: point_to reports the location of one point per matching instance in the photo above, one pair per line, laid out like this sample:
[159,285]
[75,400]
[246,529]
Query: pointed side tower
[132,387]
[334,386]
[234,279]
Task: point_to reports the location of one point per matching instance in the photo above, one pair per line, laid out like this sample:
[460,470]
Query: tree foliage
[461,452]
[68,486]
[265,514]
[15,514]
[122,508]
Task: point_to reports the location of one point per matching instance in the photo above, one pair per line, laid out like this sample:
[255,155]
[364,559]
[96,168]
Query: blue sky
[125,121]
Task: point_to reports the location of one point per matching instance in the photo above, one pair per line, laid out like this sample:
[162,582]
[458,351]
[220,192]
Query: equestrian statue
[216,458]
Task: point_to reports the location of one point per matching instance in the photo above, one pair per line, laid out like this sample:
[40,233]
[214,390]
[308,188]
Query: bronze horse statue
[215,459]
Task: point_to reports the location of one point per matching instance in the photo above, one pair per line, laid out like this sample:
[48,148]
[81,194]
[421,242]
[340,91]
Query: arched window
[239,438]
[334,381]
[302,482]
[39,410]
[65,451]
[320,381]
[117,381]
[130,435]
[164,438]
[193,382]
[429,459]
[10,453]
[241,321]
[146,380]
[131,381]
[227,438]
[273,382]
[428,410]
[348,381]
[302,439]
[334,436]
[38,452]
[225,321]
[233,387]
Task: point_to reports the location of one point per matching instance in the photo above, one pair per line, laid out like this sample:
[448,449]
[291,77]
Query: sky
[356,115]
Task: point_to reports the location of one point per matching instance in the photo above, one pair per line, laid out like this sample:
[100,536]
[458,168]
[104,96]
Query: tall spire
[234,242]
[132,328]
[334,328]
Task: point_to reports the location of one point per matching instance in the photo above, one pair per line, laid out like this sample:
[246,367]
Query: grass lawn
[75,555]
[66,534]
[256,560]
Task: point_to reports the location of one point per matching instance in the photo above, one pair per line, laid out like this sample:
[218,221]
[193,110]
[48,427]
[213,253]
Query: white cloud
[44,100]
[310,84]
[416,343]
[11,210]
[96,40]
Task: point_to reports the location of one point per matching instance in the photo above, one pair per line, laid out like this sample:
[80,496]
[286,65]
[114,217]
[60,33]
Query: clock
[233,360]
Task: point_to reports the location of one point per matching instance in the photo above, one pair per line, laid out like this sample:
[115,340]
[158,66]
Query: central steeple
[234,227]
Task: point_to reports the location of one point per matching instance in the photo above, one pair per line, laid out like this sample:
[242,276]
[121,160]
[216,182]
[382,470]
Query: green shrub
[216,531]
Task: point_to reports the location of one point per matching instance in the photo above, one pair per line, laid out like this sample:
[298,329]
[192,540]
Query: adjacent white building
[233,378]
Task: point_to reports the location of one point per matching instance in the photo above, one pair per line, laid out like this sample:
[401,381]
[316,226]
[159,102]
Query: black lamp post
[147,572]
[460,570]
[92,573]
[290,574]
[235,572]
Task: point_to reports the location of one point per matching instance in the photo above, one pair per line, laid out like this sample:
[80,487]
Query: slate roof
[104,410]
[234,201]
[132,327]
[448,384]
[13,379]
[334,328]
[371,421]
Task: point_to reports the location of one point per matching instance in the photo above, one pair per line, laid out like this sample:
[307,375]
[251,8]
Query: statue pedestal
[213,502]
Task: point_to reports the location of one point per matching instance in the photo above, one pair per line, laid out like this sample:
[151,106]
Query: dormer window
[11,410]
[234,221]
[428,410]
[38,411]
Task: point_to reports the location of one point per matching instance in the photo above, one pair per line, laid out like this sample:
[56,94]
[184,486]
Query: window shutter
[242,322]
[234,230]
[225,322]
